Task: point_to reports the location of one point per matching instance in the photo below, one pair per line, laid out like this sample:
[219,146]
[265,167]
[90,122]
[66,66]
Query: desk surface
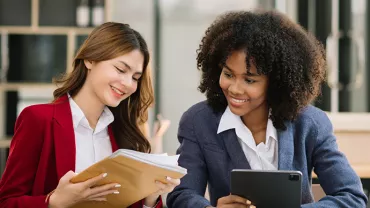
[362,170]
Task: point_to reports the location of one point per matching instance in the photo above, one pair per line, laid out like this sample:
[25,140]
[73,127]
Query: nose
[126,81]
[235,88]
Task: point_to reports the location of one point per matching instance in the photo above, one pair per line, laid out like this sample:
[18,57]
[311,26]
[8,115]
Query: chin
[113,105]
[239,111]
[110,102]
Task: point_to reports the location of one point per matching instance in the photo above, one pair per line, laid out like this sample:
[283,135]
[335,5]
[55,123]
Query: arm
[191,190]
[25,149]
[339,181]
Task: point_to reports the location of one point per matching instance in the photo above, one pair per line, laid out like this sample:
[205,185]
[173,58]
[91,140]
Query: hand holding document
[136,172]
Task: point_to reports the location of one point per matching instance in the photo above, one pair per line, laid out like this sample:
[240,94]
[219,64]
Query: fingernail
[252,206]
[168,178]
[116,192]
[248,202]
[105,175]
[117,185]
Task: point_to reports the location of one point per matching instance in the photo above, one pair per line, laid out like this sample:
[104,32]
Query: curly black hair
[292,58]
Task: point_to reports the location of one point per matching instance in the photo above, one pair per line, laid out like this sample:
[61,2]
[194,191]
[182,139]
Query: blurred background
[40,37]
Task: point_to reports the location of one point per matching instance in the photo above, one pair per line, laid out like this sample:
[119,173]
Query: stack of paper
[135,171]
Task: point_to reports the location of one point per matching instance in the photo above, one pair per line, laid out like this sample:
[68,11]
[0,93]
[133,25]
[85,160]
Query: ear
[88,64]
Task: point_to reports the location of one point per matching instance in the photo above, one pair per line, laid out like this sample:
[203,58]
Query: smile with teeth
[117,90]
[238,101]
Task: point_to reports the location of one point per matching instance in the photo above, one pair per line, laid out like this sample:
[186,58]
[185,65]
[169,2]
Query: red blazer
[41,152]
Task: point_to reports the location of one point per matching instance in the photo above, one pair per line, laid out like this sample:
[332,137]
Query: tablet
[268,189]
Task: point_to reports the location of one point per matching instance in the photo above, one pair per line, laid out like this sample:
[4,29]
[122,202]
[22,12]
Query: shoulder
[312,124]
[37,113]
[312,116]
[198,111]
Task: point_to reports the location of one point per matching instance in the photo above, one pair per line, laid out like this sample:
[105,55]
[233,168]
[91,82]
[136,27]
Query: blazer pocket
[213,148]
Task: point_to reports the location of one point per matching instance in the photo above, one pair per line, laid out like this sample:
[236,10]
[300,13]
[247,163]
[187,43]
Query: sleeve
[190,192]
[342,186]
[20,170]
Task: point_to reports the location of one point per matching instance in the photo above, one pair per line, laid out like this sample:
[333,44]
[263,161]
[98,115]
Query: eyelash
[122,71]
[248,81]
[227,75]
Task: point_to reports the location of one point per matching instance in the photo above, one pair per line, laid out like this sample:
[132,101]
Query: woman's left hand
[163,188]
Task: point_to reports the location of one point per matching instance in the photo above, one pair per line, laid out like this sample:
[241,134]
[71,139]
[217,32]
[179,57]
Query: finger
[172,181]
[104,193]
[252,206]
[234,199]
[93,181]
[103,188]
[234,205]
[239,199]
[68,176]
[169,186]
[98,199]
[160,185]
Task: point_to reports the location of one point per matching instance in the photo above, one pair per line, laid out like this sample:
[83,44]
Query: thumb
[68,176]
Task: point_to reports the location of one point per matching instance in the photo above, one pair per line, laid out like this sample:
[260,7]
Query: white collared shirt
[91,145]
[263,156]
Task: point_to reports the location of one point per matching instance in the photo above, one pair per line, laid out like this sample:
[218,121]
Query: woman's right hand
[233,201]
[67,194]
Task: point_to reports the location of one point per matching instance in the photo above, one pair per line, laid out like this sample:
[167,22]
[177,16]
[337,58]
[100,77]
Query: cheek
[223,83]
[133,87]
[257,92]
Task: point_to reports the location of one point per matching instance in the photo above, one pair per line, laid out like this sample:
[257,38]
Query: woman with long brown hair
[96,110]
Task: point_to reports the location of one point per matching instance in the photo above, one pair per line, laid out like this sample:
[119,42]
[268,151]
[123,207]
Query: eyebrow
[247,73]
[129,67]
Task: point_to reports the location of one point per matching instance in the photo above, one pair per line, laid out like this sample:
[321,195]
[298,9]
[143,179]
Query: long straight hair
[106,42]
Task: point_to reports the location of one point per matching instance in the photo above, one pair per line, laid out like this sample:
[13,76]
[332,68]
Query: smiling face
[116,79]
[245,92]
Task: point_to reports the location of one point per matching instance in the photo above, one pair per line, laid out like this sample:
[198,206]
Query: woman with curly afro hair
[260,72]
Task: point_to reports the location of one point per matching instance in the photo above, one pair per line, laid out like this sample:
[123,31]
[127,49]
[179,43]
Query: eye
[135,79]
[227,74]
[250,81]
[119,70]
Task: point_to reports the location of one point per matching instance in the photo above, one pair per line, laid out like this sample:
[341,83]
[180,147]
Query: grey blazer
[307,144]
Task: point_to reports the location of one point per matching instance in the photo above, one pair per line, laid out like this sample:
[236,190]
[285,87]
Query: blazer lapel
[286,147]
[112,139]
[232,146]
[64,137]
[234,149]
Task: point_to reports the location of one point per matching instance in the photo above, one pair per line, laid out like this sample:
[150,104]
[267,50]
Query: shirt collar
[78,117]
[231,121]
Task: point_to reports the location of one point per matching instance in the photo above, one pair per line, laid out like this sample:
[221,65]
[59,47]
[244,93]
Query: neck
[256,120]
[90,105]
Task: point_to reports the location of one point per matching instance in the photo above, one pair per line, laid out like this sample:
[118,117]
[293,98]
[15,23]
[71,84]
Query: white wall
[183,26]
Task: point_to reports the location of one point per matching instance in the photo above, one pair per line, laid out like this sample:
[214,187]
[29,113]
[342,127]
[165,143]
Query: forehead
[237,62]
[134,59]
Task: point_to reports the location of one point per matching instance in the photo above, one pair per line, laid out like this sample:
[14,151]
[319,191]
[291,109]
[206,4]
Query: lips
[117,92]
[237,102]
